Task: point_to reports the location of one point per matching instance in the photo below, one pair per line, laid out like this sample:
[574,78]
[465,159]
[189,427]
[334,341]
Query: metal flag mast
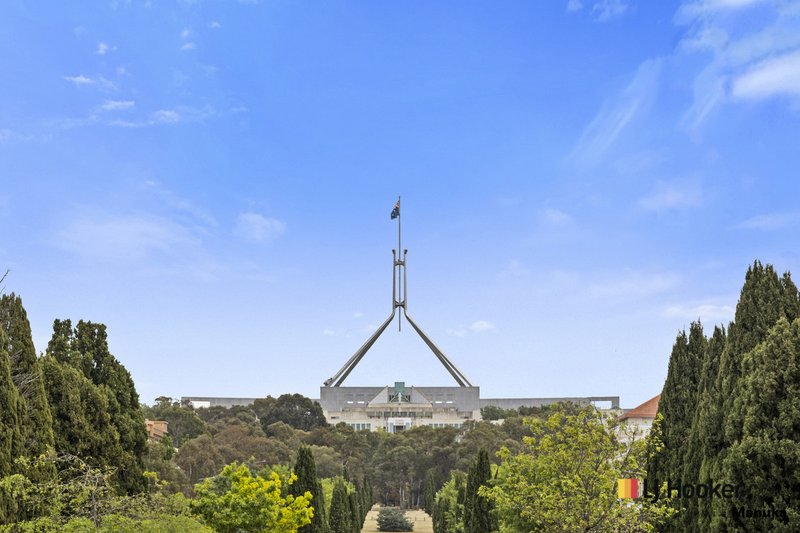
[398,282]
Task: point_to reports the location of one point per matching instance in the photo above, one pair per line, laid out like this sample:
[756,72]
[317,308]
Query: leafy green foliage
[237,500]
[393,519]
[10,431]
[565,479]
[293,409]
[448,510]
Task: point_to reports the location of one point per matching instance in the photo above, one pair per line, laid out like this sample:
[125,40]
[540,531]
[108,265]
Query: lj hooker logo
[629,488]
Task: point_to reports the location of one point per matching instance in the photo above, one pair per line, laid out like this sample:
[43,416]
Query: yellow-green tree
[236,500]
[565,479]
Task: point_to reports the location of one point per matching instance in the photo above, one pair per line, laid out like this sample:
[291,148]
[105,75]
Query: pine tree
[703,436]
[85,349]
[26,371]
[678,404]
[356,518]
[764,299]
[766,459]
[339,518]
[429,498]
[306,471]
[478,516]
[10,430]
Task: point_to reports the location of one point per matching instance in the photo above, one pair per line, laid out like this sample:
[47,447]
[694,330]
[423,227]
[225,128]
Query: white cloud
[554,217]
[705,312]
[103,48]
[255,227]
[328,332]
[574,5]
[185,33]
[166,116]
[116,105]
[617,113]
[516,269]
[123,237]
[481,326]
[772,77]
[460,331]
[358,314]
[772,221]
[214,25]
[605,10]
[79,80]
[187,46]
[690,10]
[634,285]
[672,195]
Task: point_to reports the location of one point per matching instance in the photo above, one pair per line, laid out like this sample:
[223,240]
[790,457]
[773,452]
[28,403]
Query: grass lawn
[420,519]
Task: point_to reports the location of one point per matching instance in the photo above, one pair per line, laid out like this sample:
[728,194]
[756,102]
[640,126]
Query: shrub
[393,519]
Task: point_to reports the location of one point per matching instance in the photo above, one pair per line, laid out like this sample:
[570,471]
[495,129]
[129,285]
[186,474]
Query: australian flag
[396,210]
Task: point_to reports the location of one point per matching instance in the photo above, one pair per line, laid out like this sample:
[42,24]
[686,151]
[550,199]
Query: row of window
[359,427]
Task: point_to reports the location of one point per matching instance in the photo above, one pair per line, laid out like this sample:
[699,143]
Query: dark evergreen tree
[85,348]
[10,431]
[478,516]
[766,459]
[678,404]
[704,436]
[356,517]
[764,299]
[429,497]
[339,519]
[306,471]
[26,372]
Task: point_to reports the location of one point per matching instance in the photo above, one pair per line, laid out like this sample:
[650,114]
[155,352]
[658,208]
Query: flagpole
[399,251]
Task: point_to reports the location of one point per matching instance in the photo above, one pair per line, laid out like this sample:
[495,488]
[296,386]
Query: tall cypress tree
[764,299]
[26,371]
[678,404]
[85,348]
[478,516]
[704,436]
[356,519]
[766,460]
[339,518]
[9,414]
[306,471]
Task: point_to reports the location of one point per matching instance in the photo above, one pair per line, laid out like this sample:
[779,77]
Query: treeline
[76,401]
[401,466]
[730,414]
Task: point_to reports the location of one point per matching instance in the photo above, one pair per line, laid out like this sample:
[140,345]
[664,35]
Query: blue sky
[213,181]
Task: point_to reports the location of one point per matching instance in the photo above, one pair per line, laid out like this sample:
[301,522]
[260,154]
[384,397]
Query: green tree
[478,516]
[26,372]
[766,460]
[340,517]
[306,471]
[10,431]
[183,423]
[448,511]
[429,498]
[293,409]
[356,518]
[235,500]
[85,348]
[566,479]
[678,404]
[393,519]
[703,435]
